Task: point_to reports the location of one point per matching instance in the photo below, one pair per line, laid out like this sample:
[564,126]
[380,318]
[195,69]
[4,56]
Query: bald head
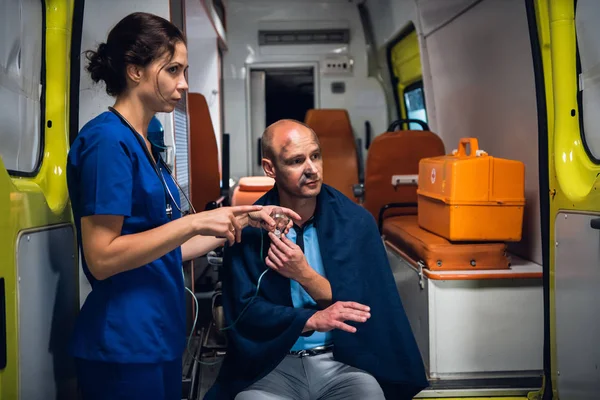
[279,134]
[292,156]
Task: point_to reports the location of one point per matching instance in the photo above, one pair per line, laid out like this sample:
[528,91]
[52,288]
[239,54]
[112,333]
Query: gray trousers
[314,378]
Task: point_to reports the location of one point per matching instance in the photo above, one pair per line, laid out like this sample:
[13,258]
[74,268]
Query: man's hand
[287,259]
[333,317]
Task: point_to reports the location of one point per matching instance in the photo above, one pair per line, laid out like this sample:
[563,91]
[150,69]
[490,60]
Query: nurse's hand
[223,222]
[263,218]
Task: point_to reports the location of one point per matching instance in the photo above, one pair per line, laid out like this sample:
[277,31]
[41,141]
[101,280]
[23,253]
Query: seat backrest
[205,179]
[250,189]
[338,148]
[396,153]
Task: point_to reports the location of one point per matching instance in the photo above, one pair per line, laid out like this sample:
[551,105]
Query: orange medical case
[472,197]
[437,253]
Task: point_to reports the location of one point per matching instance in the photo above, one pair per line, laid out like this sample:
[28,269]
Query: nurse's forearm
[199,246]
[108,253]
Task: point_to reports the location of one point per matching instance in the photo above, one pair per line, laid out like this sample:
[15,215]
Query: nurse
[130,335]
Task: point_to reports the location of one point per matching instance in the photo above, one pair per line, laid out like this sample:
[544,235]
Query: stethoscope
[157,168]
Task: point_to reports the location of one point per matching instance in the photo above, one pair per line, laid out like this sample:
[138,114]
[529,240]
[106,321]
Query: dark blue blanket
[357,267]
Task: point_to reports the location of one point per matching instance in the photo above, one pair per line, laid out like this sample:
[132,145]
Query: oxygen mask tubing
[281,223]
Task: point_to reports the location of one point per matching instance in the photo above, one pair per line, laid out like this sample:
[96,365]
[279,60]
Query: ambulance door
[38,263]
[407,76]
[570,49]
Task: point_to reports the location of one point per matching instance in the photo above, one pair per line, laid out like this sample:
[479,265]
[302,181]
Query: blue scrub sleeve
[106,179]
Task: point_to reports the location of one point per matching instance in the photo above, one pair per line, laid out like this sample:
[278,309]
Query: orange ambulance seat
[396,153]
[338,146]
[250,189]
[205,175]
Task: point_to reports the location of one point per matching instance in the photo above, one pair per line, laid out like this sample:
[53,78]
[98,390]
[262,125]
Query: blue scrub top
[137,316]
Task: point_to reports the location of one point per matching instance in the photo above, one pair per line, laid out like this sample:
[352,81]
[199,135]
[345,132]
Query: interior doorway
[278,92]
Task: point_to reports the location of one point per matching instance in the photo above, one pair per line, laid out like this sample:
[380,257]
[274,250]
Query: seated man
[326,320]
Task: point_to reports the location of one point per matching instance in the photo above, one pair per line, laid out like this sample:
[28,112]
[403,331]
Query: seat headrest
[205,172]
[329,123]
[256,183]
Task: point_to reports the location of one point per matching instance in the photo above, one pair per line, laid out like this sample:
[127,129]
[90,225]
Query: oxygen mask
[281,221]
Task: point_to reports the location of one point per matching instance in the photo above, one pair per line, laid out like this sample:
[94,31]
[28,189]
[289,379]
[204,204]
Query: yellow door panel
[576,174]
[40,201]
[405,59]
[573,177]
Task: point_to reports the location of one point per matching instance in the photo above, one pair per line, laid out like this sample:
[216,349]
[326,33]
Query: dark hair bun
[100,66]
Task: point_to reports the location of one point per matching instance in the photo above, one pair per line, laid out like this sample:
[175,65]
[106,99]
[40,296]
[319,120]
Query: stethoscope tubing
[157,168]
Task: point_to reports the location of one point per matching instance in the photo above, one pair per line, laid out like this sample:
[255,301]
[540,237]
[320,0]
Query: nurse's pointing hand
[223,222]
[263,218]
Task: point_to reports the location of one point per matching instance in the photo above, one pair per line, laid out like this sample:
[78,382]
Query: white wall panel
[389,17]
[364,98]
[203,57]
[483,86]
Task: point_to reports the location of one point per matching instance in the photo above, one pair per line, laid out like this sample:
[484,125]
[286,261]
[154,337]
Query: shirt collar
[311,221]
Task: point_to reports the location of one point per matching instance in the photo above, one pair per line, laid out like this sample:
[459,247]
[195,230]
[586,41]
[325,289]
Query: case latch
[420,267]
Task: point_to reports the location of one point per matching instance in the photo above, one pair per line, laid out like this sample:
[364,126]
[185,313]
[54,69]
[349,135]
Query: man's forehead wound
[286,145]
[290,137]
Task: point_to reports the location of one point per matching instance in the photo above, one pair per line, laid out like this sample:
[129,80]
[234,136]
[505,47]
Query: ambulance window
[404,62]
[21,85]
[414,101]
[588,63]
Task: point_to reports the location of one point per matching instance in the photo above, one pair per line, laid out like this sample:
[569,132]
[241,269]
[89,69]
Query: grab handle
[398,124]
[462,147]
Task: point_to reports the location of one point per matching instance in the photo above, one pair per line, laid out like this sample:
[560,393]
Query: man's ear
[268,167]
[134,73]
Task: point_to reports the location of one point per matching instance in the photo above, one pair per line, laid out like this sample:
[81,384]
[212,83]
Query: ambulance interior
[458,124]
[357,73]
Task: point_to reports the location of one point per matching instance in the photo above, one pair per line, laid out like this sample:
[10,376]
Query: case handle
[462,147]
